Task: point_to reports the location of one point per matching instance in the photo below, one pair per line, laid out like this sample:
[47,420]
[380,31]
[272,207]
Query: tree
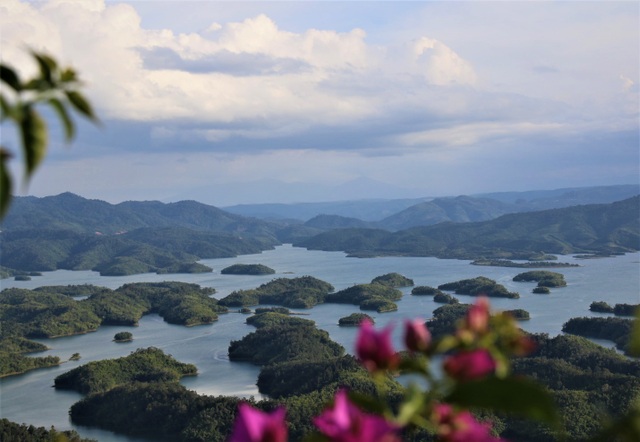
[54,86]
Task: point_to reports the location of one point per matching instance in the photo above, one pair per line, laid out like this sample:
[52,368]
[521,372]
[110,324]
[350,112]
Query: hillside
[598,228]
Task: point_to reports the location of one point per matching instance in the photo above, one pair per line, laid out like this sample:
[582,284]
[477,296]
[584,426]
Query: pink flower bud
[345,422]
[478,316]
[253,425]
[416,335]
[460,426]
[469,365]
[374,349]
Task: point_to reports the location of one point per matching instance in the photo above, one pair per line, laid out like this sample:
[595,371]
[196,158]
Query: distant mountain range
[71,232]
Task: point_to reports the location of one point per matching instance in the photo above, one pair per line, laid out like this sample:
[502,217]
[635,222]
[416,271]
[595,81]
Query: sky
[230,102]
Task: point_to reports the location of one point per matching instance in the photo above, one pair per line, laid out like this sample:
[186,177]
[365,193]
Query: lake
[30,398]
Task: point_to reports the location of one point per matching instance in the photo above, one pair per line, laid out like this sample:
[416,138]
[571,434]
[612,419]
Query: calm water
[30,398]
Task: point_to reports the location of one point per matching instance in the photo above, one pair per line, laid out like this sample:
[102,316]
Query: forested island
[247,269]
[479,286]
[47,313]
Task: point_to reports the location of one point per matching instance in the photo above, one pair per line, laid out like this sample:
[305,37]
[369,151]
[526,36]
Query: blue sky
[239,102]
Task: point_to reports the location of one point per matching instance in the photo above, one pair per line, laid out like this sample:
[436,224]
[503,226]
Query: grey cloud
[226,62]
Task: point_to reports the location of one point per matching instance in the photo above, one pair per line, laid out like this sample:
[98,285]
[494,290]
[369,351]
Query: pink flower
[253,425]
[416,335]
[478,316]
[470,364]
[460,426]
[374,349]
[347,423]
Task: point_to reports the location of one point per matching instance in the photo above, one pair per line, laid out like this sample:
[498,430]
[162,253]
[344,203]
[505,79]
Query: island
[445,298]
[529,264]
[393,280]
[545,278]
[425,290]
[123,337]
[479,286]
[376,297]
[247,269]
[354,320]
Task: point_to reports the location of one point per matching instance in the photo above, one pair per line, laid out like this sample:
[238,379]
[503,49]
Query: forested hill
[72,212]
[597,228]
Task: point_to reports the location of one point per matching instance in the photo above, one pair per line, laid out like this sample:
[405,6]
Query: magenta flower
[460,426]
[374,349]
[416,335]
[478,316]
[345,422]
[253,425]
[470,364]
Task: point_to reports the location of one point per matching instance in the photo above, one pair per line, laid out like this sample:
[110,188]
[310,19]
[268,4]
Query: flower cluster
[477,354]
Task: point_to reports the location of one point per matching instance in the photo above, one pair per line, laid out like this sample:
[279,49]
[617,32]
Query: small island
[519,314]
[247,269]
[425,290]
[524,265]
[600,307]
[445,298]
[541,290]
[545,278]
[479,286]
[354,320]
[393,280]
[123,337]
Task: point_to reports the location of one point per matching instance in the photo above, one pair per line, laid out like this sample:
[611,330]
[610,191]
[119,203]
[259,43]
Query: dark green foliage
[445,318]
[379,304]
[162,250]
[445,298]
[301,377]
[625,309]
[393,280]
[586,381]
[611,227]
[519,314]
[123,337]
[541,290]
[247,269]
[300,341]
[143,365]
[361,293]
[44,315]
[240,298]
[72,290]
[22,278]
[506,263]
[11,431]
[424,290]
[354,319]
[282,310]
[15,363]
[268,319]
[544,278]
[617,330]
[479,286]
[601,307]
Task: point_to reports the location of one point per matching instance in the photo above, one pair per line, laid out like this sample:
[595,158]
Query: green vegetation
[445,298]
[617,330]
[525,265]
[123,337]
[11,431]
[519,314]
[282,310]
[625,309]
[479,286]
[424,290]
[72,290]
[393,280]
[158,249]
[22,278]
[612,228]
[445,317]
[544,278]
[269,319]
[600,307]
[247,269]
[354,320]
[302,292]
[376,297]
[143,365]
[541,290]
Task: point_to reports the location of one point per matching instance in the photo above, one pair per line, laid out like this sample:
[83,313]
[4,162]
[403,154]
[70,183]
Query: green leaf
[412,406]
[515,395]
[47,66]
[69,129]
[81,104]
[634,343]
[10,77]
[5,182]
[5,107]
[68,75]
[34,139]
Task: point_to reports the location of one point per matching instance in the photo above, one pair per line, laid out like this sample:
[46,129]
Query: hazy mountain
[597,228]
[387,212]
[327,222]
